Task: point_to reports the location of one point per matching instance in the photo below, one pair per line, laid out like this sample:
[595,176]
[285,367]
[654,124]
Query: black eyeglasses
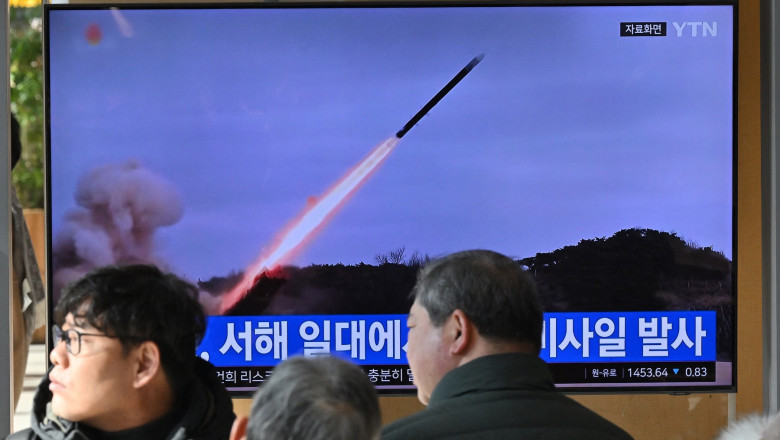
[72,338]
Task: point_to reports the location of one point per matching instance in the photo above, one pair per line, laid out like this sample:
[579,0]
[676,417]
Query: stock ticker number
[648,372]
[696,372]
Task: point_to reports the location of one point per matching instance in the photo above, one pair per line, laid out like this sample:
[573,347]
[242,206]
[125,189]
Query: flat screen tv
[300,162]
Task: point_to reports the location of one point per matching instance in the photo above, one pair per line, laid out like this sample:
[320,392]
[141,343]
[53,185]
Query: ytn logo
[696,28]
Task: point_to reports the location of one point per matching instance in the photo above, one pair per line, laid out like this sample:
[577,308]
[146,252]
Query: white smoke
[120,206]
[211,304]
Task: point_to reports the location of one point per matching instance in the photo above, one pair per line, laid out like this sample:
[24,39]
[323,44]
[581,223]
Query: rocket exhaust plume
[293,237]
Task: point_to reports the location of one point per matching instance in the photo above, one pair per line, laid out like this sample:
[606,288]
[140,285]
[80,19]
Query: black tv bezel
[336,4]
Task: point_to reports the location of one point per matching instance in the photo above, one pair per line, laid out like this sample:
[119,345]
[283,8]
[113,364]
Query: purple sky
[565,131]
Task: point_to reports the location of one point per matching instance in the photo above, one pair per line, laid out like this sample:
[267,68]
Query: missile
[435,100]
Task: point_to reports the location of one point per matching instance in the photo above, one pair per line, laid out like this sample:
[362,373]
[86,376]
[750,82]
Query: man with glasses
[124,364]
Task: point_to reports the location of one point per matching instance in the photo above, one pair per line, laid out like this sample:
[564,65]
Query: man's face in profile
[91,375]
[427,352]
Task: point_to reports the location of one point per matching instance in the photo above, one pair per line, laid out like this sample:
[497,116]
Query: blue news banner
[592,347]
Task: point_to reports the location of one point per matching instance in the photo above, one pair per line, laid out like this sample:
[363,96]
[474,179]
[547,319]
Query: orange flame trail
[296,234]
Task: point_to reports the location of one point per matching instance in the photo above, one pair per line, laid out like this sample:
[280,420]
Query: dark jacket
[208,412]
[506,396]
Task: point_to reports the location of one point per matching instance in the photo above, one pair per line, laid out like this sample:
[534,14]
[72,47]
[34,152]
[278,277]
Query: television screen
[300,162]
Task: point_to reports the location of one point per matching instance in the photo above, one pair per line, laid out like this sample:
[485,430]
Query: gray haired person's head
[491,289]
[315,398]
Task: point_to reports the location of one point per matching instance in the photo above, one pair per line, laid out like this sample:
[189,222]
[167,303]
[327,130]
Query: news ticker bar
[604,373]
[633,372]
[250,377]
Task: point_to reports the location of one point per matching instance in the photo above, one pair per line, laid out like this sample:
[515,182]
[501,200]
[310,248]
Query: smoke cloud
[120,206]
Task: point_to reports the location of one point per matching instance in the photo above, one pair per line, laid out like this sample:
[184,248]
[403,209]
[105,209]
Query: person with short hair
[313,398]
[475,333]
[752,427]
[124,364]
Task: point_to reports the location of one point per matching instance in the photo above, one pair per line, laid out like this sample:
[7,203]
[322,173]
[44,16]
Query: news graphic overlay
[587,349]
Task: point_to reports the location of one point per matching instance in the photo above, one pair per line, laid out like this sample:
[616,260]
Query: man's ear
[462,331]
[238,431]
[148,365]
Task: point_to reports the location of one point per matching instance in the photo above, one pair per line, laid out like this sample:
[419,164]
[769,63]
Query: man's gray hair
[752,427]
[491,289]
[315,398]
